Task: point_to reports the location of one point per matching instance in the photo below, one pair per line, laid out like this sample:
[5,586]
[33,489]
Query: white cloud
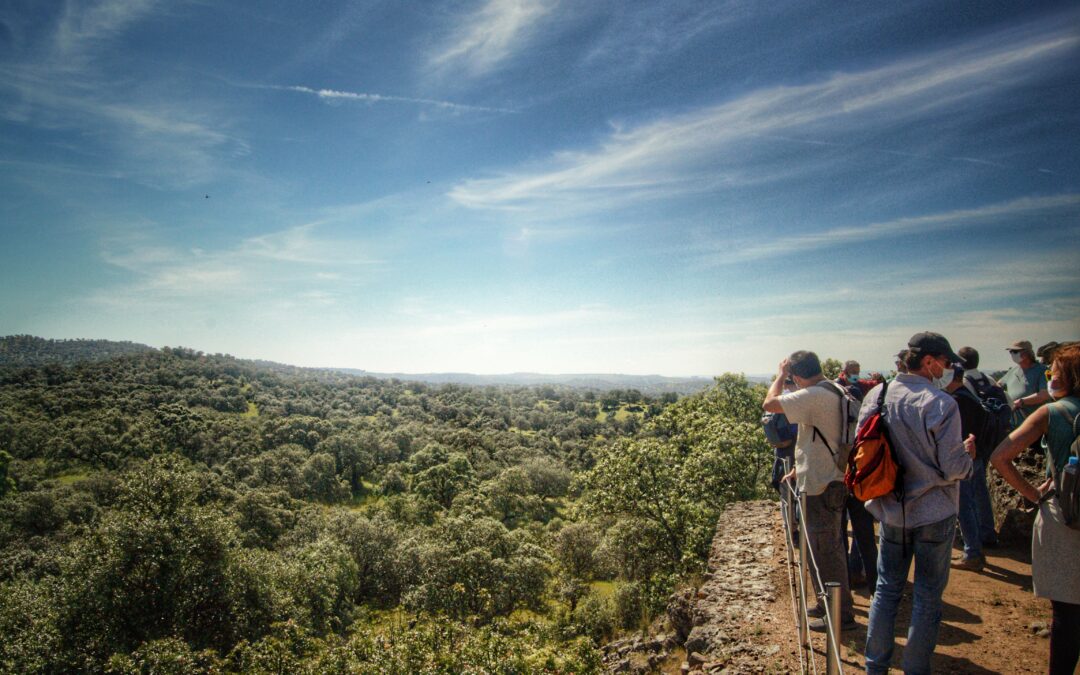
[707,149]
[291,260]
[331,95]
[729,252]
[84,24]
[63,82]
[490,36]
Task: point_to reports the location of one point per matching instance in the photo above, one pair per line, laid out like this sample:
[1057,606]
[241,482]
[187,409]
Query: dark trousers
[1064,638]
[862,527]
[823,515]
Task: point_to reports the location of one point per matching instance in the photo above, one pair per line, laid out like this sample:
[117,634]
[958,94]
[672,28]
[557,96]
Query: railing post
[788,510]
[804,576]
[832,656]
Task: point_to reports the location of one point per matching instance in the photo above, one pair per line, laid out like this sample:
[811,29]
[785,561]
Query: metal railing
[829,593]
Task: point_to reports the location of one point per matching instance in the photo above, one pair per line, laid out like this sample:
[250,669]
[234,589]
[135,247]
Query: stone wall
[736,594]
[716,622]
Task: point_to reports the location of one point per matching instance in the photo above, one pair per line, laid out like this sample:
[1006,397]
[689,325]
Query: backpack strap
[839,391]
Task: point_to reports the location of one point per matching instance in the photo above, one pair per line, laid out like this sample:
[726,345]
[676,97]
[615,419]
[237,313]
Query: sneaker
[846,623]
[974,563]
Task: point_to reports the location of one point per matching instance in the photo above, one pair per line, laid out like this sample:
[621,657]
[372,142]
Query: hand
[1017,404]
[969,445]
[785,368]
[1045,487]
[789,476]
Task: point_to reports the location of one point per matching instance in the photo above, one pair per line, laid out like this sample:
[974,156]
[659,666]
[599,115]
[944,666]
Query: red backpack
[873,469]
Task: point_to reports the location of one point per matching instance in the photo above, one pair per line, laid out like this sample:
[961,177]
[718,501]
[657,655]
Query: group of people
[946,420]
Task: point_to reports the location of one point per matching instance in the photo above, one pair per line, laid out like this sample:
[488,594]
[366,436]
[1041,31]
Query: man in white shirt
[816,410]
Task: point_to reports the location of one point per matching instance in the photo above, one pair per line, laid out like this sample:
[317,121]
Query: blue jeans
[976,514]
[931,546]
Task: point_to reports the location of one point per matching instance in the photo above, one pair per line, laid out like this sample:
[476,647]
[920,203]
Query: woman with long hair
[1055,547]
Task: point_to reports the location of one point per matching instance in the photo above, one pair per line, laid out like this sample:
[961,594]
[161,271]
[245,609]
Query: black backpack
[777,429]
[995,420]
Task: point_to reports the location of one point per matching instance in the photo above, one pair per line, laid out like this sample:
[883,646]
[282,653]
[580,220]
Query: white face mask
[945,380]
[1017,357]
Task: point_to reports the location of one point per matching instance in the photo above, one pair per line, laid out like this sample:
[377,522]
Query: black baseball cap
[934,344]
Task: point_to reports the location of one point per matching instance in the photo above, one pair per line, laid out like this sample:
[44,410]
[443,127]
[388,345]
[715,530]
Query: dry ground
[989,624]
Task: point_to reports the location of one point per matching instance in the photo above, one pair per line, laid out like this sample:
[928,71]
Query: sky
[493,186]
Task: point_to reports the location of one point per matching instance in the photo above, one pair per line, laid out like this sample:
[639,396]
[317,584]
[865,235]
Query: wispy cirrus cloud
[299,259]
[333,95]
[61,80]
[726,251]
[713,148]
[83,25]
[490,36]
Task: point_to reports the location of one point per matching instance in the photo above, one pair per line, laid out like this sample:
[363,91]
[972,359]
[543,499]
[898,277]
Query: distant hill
[650,385]
[27,350]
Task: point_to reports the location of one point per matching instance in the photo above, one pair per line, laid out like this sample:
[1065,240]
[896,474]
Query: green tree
[831,368]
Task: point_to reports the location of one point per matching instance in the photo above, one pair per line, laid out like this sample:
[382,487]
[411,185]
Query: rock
[1043,633]
[1037,626]
[680,609]
[697,641]
[696,658]
[684,668]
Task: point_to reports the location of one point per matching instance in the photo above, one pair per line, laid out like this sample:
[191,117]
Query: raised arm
[1033,426]
[772,402]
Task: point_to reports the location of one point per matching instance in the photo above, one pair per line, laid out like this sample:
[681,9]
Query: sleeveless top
[1059,431]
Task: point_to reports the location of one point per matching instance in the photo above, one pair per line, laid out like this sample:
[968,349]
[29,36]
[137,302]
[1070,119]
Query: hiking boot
[846,623]
[974,563]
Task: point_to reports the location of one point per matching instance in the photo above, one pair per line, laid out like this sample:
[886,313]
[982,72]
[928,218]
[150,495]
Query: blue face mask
[852,377]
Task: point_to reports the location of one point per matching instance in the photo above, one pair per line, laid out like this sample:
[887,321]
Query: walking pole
[832,657]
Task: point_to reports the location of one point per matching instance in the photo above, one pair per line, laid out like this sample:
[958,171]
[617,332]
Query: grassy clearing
[252,410]
[604,589]
[71,478]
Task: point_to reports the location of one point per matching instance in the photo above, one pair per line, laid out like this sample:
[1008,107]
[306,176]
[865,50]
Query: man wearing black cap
[924,426]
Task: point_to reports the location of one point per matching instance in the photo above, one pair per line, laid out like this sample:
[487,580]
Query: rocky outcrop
[736,595]
[717,622]
[1013,514]
[639,654]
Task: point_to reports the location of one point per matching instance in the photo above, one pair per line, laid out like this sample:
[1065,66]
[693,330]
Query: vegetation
[173,511]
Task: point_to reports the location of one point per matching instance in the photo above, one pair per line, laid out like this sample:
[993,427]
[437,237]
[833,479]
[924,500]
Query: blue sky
[502,185]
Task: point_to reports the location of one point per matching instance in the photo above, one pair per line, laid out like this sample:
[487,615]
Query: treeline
[172,511]
[29,350]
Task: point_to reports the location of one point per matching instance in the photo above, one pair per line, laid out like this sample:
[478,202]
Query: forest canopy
[174,511]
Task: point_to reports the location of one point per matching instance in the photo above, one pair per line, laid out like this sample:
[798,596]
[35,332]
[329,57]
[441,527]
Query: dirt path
[990,620]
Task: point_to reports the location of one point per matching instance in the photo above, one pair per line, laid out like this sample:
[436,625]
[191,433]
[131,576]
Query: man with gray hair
[1025,382]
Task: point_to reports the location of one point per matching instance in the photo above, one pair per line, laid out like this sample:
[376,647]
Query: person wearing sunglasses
[1025,382]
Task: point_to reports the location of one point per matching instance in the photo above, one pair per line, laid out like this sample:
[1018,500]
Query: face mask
[1055,390]
[853,376]
[945,379]
[1016,357]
